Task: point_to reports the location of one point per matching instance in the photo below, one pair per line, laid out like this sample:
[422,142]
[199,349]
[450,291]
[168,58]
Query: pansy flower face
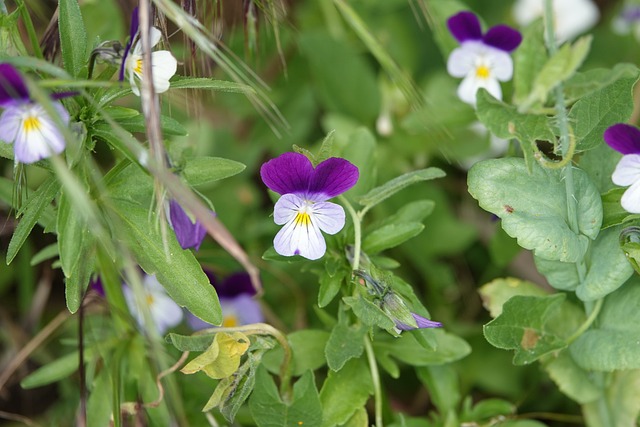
[26,124]
[190,233]
[628,20]
[571,17]
[482,60]
[164,311]
[303,209]
[163,64]
[626,140]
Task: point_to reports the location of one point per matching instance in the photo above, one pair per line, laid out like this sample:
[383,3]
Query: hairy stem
[375,377]
[357,231]
[565,141]
[587,323]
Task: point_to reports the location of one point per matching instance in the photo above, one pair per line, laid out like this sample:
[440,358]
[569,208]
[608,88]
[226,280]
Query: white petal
[329,217]
[165,312]
[45,140]
[462,60]
[470,85]
[572,17]
[286,208]
[526,11]
[300,239]
[627,170]
[501,64]
[631,199]
[10,124]
[155,35]
[164,67]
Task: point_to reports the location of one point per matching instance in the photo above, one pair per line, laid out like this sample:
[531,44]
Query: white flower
[164,311]
[481,66]
[163,65]
[571,17]
[33,132]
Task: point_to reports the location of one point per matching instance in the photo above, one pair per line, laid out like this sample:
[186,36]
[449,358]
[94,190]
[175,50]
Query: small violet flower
[571,17]
[190,234]
[628,20]
[163,63]
[482,60]
[25,123]
[236,300]
[164,311]
[303,208]
[625,139]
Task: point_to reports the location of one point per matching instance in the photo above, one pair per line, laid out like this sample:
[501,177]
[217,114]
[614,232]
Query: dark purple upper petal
[189,235]
[236,284]
[12,86]
[332,177]
[502,37]
[62,95]
[132,34]
[465,26]
[288,173]
[623,138]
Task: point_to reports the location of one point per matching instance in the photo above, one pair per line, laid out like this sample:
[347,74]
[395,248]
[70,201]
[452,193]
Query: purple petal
[12,85]
[189,234]
[422,322]
[332,177]
[502,37]
[465,26]
[132,34]
[288,173]
[236,284]
[61,95]
[623,138]
[96,285]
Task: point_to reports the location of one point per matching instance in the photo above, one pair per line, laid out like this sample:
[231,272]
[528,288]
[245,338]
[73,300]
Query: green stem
[31,32]
[587,323]
[375,377]
[357,231]
[565,142]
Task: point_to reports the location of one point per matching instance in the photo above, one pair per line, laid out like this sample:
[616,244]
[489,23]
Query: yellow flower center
[30,124]
[303,218]
[138,67]
[230,321]
[149,299]
[483,72]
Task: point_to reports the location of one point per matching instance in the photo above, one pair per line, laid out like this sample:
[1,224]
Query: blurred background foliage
[322,79]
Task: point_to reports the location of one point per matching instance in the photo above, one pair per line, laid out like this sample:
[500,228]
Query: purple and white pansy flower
[570,17]
[482,60]
[26,124]
[165,312]
[163,63]
[236,294]
[303,209]
[625,139]
[189,232]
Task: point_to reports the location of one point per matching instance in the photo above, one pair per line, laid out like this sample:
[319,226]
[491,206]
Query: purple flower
[626,140]
[190,234]
[25,123]
[236,300]
[422,323]
[163,63]
[303,208]
[482,60]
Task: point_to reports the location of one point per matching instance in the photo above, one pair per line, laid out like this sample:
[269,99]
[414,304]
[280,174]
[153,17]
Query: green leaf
[361,151]
[594,113]
[562,276]
[344,392]
[139,124]
[307,346]
[613,344]
[489,408]
[523,327]
[46,253]
[533,207]
[571,379]
[369,313]
[614,213]
[620,404]
[506,122]
[345,343]
[330,285]
[31,212]
[409,350]
[202,170]
[73,37]
[497,292]
[210,84]
[584,83]
[599,163]
[443,385]
[390,236]
[268,409]
[177,270]
[562,65]
[52,372]
[527,61]
[390,188]
[190,343]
